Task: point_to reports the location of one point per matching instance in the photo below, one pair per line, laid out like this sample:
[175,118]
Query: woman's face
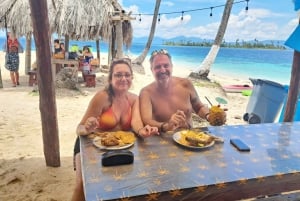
[121,77]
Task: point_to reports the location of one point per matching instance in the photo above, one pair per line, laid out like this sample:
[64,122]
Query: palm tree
[137,63]
[212,54]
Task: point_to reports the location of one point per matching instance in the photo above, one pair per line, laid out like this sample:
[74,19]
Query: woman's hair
[109,88]
[86,48]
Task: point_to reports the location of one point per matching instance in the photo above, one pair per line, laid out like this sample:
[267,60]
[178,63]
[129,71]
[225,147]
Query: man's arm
[201,109]
[146,109]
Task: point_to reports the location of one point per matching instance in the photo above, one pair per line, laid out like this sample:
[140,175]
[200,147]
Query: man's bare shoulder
[148,88]
[184,82]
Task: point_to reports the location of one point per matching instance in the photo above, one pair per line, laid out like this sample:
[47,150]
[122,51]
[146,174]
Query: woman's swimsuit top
[107,120]
[13,45]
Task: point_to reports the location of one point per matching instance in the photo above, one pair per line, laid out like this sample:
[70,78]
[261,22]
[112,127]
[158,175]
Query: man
[169,101]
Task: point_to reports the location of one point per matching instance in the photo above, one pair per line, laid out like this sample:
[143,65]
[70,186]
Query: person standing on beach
[111,109]
[12,47]
[169,101]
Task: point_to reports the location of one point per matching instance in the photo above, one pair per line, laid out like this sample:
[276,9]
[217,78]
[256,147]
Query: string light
[247,8]
[193,10]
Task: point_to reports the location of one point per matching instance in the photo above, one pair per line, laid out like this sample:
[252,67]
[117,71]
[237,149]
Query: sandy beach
[23,173]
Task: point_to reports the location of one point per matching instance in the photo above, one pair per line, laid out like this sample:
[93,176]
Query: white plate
[97,143]
[177,136]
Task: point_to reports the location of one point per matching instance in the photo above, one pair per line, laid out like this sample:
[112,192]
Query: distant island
[237,44]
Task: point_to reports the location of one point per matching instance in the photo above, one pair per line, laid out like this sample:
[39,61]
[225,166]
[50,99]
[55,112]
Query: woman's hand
[90,125]
[148,131]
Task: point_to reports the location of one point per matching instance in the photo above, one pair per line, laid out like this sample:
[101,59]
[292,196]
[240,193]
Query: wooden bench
[32,78]
[90,80]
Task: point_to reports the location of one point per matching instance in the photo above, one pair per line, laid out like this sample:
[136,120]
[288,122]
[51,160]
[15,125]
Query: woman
[111,109]
[12,47]
[87,54]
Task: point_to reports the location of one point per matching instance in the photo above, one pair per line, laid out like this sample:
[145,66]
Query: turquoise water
[272,65]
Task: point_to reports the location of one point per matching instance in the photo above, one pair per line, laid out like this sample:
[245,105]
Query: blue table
[163,170]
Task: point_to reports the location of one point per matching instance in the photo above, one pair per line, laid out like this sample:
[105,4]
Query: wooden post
[28,53]
[41,31]
[293,89]
[117,19]
[98,48]
[67,40]
[119,39]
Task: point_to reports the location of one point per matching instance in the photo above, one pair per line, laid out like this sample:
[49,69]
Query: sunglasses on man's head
[161,51]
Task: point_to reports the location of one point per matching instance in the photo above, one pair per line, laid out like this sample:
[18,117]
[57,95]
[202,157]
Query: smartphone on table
[239,144]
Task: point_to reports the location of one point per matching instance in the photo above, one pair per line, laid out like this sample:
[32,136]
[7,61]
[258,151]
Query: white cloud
[168,3]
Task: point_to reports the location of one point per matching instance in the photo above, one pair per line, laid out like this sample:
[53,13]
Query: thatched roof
[80,19]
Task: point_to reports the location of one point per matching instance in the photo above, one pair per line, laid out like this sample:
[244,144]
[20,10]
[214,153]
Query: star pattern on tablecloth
[260,179]
[202,167]
[175,192]
[108,188]
[157,182]
[279,175]
[172,154]
[237,162]
[221,185]
[163,142]
[153,155]
[152,196]
[201,189]
[118,177]
[162,171]
[242,181]
[200,175]
[184,168]
[222,164]
[142,174]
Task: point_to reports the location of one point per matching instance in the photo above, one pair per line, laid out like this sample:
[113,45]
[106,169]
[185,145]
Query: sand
[23,172]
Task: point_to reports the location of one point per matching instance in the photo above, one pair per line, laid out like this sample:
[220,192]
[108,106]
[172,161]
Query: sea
[268,64]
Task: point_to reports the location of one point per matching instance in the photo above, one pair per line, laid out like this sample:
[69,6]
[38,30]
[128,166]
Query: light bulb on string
[247,8]
[211,8]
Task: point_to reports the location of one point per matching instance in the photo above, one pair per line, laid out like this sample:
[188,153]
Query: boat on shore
[236,88]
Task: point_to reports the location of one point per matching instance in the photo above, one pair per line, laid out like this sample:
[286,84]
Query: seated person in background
[169,101]
[111,109]
[87,54]
[62,47]
[57,48]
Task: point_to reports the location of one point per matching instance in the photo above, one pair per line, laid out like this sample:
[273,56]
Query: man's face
[161,68]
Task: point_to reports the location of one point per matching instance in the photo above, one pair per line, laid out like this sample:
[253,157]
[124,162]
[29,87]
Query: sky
[264,20]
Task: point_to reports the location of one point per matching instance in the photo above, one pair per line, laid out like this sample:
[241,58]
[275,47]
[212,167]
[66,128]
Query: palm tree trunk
[211,56]
[137,63]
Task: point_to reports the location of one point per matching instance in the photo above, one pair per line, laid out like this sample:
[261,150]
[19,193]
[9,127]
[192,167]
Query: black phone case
[117,157]
[240,145]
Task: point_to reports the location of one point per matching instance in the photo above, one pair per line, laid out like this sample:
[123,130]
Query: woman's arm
[137,123]
[89,121]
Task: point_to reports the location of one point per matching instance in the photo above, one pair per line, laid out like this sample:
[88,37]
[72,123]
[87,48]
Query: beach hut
[61,17]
